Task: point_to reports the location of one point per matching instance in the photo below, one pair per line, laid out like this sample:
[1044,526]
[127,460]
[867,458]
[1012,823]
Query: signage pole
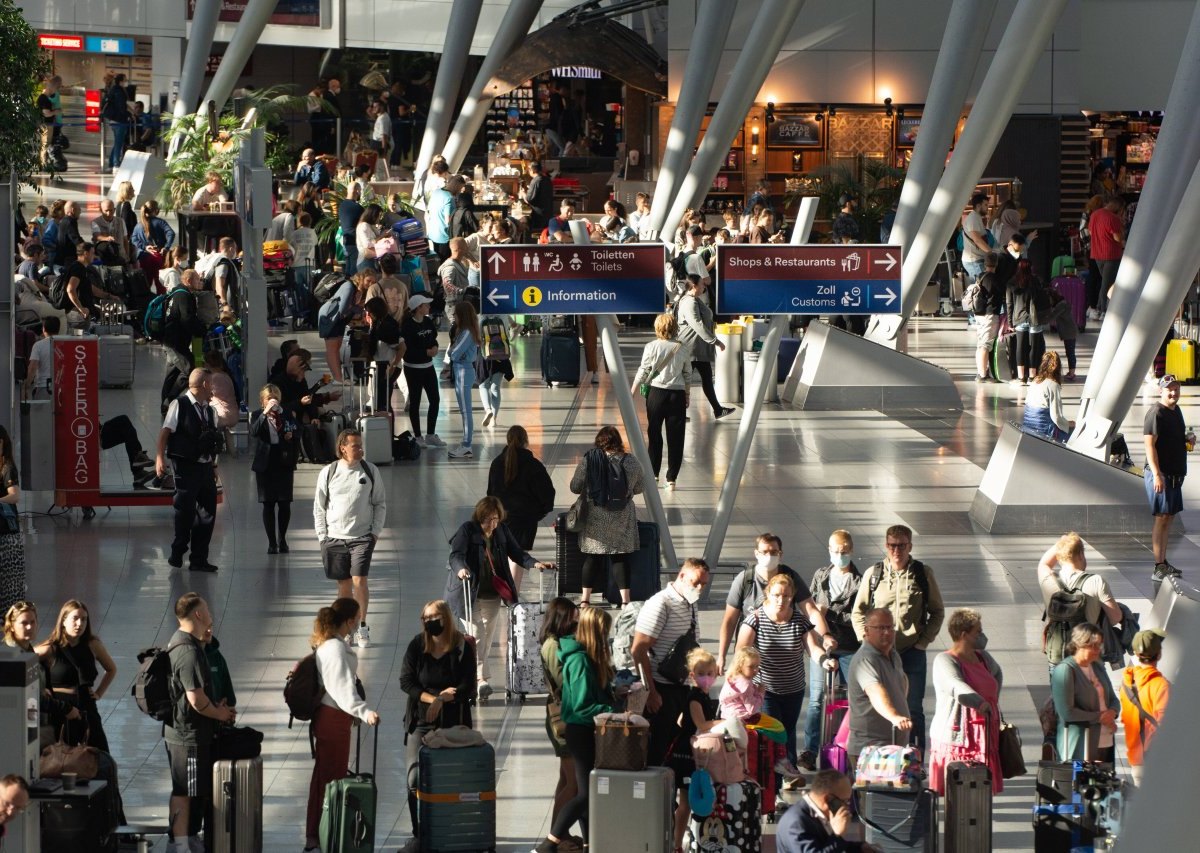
[633,427]
[757,393]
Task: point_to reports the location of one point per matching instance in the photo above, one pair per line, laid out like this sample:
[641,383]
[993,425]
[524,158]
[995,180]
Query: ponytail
[517,438]
[329,619]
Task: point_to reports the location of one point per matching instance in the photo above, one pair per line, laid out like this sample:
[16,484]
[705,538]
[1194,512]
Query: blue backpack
[154,322]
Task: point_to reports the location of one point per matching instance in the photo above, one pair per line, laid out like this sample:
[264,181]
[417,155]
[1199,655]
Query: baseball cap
[1167,381]
[1148,643]
[417,300]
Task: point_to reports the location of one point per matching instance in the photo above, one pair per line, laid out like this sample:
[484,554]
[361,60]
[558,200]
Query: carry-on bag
[622,741]
[899,821]
[116,359]
[523,673]
[376,438]
[734,824]
[761,755]
[833,754]
[348,813]
[83,820]
[631,810]
[1181,359]
[456,798]
[644,566]
[562,361]
[237,793]
[889,765]
[968,807]
[568,559]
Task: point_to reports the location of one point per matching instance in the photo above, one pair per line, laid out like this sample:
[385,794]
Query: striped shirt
[666,616]
[783,650]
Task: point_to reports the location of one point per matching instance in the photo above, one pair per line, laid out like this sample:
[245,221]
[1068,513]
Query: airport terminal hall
[623,426]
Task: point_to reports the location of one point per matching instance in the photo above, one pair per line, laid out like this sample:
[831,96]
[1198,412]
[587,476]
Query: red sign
[50,41]
[76,419]
[91,111]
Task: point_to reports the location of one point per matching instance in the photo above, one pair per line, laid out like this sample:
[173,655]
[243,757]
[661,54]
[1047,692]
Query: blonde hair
[844,537]
[699,657]
[781,580]
[592,634]
[666,326]
[742,658]
[125,191]
[10,620]
[449,625]
[962,622]
[267,392]
[1069,548]
[329,619]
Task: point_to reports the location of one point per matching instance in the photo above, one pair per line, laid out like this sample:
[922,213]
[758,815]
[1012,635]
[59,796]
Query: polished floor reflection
[808,473]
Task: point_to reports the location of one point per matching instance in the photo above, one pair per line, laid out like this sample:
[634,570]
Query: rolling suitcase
[456,799]
[899,821]
[376,438]
[833,755]
[523,672]
[348,812]
[237,806]
[1181,359]
[568,559]
[116,361]
[631,810]
[333,423]
[82,821]
[735,822]
[644,567]
[761,755]
[968,807]
[561,359]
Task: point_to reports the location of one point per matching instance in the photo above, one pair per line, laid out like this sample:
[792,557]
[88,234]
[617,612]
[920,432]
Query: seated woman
[1043,404]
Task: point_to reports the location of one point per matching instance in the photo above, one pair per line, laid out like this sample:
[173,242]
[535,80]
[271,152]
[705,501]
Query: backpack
[976,297]
[327,285]
[622,639]
[154,322]
[679,266]
[1066,609]
[618,484]
[495,339]
[152,684]
[58,293]
[303,690]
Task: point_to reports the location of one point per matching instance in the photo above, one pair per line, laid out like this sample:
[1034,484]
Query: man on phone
[822,820]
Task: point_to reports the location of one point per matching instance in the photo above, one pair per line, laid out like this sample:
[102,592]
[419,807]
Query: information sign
[624,278]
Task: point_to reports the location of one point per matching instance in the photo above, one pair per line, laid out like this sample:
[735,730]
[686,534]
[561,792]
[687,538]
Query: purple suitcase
[833,756]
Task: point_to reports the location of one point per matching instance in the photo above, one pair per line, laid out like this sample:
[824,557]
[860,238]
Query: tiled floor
[807,474]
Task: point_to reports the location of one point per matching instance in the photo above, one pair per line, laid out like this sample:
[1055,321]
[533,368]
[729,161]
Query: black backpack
[58,293]
[679,266]
[152,685]
[1066,609]
[303,691]
[618,484]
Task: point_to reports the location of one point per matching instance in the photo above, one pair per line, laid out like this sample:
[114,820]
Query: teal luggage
[348,813]
[456,799]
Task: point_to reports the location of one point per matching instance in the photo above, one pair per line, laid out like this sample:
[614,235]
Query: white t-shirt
[43,353]
[383,127]
[304,244]
[695,265]
[973,224]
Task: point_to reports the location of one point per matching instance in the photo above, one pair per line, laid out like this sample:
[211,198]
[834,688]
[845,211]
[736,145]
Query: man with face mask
[749,587]
[697,333]
[667,629]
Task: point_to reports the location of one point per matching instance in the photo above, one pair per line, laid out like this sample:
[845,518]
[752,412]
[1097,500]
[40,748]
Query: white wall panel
[1130,52]
[122,17]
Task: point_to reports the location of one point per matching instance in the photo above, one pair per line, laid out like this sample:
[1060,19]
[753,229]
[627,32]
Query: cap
[978,197]
[417,300]
[846,198]
[1148,643]
[1167,381]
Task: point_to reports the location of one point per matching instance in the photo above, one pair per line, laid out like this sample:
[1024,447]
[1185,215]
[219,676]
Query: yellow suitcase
[1181,359]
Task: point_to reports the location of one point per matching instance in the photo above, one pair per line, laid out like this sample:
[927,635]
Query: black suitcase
[644,567]
[562,360]
[899,821]
[568,558]
[83,820]
[968,807]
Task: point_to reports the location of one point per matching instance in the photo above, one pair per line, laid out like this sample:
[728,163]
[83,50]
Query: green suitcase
[348,813]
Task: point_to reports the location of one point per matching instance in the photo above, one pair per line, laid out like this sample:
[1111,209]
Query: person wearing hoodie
[1144,695]
[521,482]
[587,676]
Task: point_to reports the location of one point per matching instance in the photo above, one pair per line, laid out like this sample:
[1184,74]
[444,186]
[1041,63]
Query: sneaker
[432,440]
[488,419]
[363,638]
[807,760]
[143,479]
[725,410]
[1070,377]
[786,769]
[546,846]
[460,451]
[420,440]
[1162,571]
[794,784]
[484,691]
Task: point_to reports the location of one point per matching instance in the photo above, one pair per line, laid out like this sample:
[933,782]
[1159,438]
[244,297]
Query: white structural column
[513,27]
[629,416]
[199,46]
[245,39]
[713,20]
[464,17]
[1175,155]
[962,42]
[767,35]
[764,372]
[1024,40]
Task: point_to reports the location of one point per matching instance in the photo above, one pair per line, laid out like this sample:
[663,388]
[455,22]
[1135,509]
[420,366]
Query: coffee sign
[796,131]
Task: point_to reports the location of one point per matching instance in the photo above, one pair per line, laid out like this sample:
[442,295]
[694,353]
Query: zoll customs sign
[767,278]
[76,415]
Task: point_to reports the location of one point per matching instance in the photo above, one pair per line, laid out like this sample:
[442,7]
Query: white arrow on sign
[888,264]
[889,298]
[497,260]
[494,296]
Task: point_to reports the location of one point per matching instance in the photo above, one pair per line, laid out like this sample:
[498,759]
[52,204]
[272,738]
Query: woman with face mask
[966,721]
[438,675]
[343,705]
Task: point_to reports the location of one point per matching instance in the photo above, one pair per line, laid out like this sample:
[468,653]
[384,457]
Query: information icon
[531,296]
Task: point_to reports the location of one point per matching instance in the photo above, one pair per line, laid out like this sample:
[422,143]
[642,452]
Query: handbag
[1012,763]
[673,666]
[554,712]
[499,584]
[60,757]
[9,522]
[890,766]
[644,388]
[622,742]
[235,743]
[577,514]
[719,755]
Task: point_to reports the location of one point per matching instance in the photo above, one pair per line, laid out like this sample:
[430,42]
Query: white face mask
[839,561]
[1016,253]
[690,593]
[765,563]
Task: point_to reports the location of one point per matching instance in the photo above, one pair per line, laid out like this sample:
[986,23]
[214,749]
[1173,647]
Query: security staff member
[190,437]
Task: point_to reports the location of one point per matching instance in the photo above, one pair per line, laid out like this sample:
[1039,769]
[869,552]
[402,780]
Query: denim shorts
[1170,500]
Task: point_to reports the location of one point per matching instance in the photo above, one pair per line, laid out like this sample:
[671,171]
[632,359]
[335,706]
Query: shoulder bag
[60,757]
[577,514]
[1012,763]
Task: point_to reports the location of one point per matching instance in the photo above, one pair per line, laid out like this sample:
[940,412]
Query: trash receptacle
[749,366]
[727,371]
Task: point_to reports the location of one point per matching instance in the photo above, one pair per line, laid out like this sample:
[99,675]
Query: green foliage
[877,191]
[23,65]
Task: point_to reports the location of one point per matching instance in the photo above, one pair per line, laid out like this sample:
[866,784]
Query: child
[700,715]
[741,698]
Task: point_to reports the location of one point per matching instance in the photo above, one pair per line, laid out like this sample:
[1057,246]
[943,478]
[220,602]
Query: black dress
[274,464]
[12,551]
[74,667]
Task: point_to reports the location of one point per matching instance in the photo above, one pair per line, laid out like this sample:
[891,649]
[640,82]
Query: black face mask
[434,627]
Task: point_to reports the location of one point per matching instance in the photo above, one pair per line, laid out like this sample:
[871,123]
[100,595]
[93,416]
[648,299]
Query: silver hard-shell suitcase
[968,807]
[237,806]
[631,811]
[523,660]
[116,360]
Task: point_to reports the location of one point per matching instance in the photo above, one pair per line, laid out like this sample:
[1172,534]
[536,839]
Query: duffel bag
[891,766]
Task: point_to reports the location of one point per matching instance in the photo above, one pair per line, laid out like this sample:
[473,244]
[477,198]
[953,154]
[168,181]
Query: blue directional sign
[824,279]
[569,279]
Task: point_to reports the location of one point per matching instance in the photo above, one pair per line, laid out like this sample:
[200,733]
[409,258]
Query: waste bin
[727,372]
[749,366]
[754,329]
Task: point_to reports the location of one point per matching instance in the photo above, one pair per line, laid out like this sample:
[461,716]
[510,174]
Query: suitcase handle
[358,751]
